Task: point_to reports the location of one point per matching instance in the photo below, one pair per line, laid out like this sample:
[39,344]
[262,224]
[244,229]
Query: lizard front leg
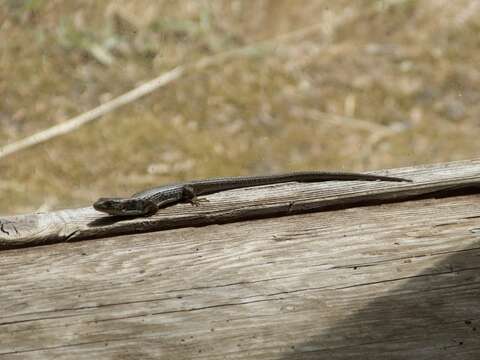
[189,195]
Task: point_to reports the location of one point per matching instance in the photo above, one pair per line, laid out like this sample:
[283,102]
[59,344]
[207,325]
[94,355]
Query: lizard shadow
[109,220]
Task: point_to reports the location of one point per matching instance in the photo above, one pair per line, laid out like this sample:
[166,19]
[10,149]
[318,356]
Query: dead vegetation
[377,84]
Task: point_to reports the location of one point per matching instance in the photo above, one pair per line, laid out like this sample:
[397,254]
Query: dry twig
[147,88]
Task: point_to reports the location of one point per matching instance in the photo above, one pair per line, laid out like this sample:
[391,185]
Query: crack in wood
[72,235]
[407,278]
[215,306]
[67,346]
[3,223]
[78,309]
[231,284]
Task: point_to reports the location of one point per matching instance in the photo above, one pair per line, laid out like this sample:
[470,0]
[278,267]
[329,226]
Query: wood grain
[237,205]
[394,281]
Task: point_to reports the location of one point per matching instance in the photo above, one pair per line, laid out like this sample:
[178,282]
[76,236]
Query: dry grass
[380,84]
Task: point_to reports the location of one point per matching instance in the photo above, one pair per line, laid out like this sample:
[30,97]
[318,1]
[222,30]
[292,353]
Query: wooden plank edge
[86,223]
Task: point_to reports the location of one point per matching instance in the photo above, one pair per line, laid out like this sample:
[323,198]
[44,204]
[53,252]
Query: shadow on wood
[433,314]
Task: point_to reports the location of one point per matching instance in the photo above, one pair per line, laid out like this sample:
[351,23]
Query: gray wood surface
[236,205]
[393,281]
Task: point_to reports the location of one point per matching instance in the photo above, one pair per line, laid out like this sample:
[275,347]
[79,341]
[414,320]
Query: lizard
[148,202]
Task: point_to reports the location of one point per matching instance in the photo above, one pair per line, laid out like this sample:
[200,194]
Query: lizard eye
[107,203]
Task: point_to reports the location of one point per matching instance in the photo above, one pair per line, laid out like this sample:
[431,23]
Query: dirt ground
[368,85]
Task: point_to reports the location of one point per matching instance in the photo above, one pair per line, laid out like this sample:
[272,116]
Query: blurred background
[312,84]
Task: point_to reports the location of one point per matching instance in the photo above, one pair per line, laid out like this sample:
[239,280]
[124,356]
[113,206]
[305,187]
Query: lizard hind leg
[190,196]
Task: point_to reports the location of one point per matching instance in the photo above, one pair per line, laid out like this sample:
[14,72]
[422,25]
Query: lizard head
[125,207]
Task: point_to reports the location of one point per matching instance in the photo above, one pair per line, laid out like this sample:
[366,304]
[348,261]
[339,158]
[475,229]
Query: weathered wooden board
[395,281]
[236,205]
